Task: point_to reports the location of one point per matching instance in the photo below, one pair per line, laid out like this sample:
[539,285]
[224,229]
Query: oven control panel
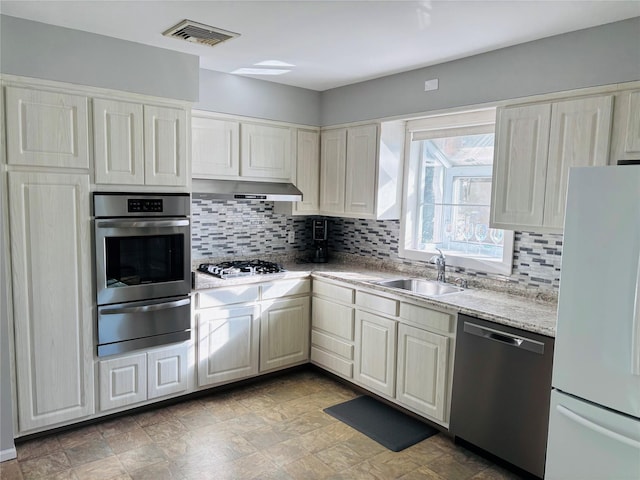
[144,205]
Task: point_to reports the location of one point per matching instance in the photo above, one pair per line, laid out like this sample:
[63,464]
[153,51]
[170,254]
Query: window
[448,193]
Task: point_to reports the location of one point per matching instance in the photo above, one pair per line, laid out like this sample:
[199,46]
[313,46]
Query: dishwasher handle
[504,337]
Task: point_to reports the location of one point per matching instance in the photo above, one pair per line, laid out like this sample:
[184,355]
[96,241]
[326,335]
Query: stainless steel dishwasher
[501,390]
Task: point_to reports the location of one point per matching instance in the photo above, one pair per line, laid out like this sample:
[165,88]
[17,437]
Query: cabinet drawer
[334,292]
[333,318]
[379,304]
[285,287]
[428,318]
[332,344]
[331,362]
[226,296]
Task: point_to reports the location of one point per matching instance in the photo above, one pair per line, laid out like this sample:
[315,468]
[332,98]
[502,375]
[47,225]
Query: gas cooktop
[240,268]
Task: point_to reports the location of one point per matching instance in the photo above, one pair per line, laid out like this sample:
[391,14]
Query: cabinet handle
[146,308]
[504,337]
[597,428]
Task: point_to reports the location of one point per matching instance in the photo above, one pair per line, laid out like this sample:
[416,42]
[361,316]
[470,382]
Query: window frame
[473,122]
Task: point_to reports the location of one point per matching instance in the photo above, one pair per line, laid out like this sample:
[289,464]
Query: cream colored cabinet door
[47,129]
[580,133]
[422,371]
[123,381]
[167,371]
[265,151]
[333,159]
[520,166]
[165,146]
[308,172]
[215,147]
[118,139]
[361,167]
[625,134]
[284,333]
[228,344]
[375,351]
[50,240]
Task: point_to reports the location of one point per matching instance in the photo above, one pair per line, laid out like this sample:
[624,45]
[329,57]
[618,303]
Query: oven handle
[141,223]
[146,308]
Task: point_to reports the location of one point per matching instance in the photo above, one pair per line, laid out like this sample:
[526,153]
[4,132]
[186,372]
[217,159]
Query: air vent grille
[199,33]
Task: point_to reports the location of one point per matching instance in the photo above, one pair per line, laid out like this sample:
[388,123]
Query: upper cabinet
[307,177]
[139,144]
[228,149]
[625,135]
[361,171]
[535,147]
[348,166]
[265,151]
[46,128]
[215,147]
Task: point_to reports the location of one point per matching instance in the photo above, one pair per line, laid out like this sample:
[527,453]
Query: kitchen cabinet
[139,144]
[625,132]
[375,351]
[284,333]
[46,128]
[50,241]
[228,344]
[423,367]
[348,166]
[215,151]
[535,147]
[308,172]
[265,151]
[333,328]
[131,379]
[248,329]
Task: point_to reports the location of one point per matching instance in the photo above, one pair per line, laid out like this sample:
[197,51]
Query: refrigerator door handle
[597,428]
[635,329]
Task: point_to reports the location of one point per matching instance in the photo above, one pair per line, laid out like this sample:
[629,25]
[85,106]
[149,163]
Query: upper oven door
[138,259]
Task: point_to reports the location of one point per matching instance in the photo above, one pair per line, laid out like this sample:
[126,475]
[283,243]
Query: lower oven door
[142,258]
[130,326]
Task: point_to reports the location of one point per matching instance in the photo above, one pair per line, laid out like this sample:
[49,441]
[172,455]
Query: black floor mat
[382,423]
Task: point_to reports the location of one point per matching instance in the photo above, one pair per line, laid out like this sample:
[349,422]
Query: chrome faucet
[439,260]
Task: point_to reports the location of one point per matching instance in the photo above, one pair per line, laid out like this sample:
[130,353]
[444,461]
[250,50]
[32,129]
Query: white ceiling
[331,43]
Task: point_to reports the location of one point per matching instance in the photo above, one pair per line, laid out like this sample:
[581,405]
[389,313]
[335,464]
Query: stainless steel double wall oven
[143,270]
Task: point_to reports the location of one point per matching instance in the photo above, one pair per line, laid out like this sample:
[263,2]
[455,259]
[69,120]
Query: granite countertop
[508,309]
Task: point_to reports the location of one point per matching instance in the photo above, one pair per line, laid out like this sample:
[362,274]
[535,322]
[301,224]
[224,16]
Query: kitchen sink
[421,287]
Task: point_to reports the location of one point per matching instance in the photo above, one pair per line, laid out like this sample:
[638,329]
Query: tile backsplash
[226,229]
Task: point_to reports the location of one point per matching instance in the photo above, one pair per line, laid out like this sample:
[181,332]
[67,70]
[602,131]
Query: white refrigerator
[594,421]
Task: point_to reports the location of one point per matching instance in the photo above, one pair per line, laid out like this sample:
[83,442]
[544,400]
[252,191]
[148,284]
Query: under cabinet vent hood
[243,190]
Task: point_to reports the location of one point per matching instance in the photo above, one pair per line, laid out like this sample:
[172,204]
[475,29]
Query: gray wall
[595,56]
[38,50]
[234,94]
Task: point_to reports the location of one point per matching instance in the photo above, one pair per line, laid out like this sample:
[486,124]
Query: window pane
[455,197]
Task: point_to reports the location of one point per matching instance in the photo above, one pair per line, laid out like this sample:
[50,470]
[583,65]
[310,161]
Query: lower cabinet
[136,378]
[375,349]
[423,366]
[243,331]
[284,333]
[227,344]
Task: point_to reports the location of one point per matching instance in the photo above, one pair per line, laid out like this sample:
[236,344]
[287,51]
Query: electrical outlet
[431,85]
[292,236]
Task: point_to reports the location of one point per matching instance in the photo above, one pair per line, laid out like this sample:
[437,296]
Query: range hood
[243,190]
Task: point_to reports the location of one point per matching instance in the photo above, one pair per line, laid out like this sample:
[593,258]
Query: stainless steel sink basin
[421,287]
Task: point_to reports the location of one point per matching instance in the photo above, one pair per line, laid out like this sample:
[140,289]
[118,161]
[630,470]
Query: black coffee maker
[320,235]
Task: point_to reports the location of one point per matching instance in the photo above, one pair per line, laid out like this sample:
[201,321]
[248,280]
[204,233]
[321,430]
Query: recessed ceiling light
[273,63]
[261,71]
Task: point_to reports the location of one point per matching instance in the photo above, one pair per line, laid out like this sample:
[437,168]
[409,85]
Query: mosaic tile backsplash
[226,229]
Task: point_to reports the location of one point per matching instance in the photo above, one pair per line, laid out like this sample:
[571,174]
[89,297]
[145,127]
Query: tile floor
[272,429]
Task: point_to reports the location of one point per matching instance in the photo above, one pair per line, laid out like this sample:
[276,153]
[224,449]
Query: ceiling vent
[199,33]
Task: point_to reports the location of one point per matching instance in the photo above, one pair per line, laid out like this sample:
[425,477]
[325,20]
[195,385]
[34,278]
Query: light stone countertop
[503,308]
